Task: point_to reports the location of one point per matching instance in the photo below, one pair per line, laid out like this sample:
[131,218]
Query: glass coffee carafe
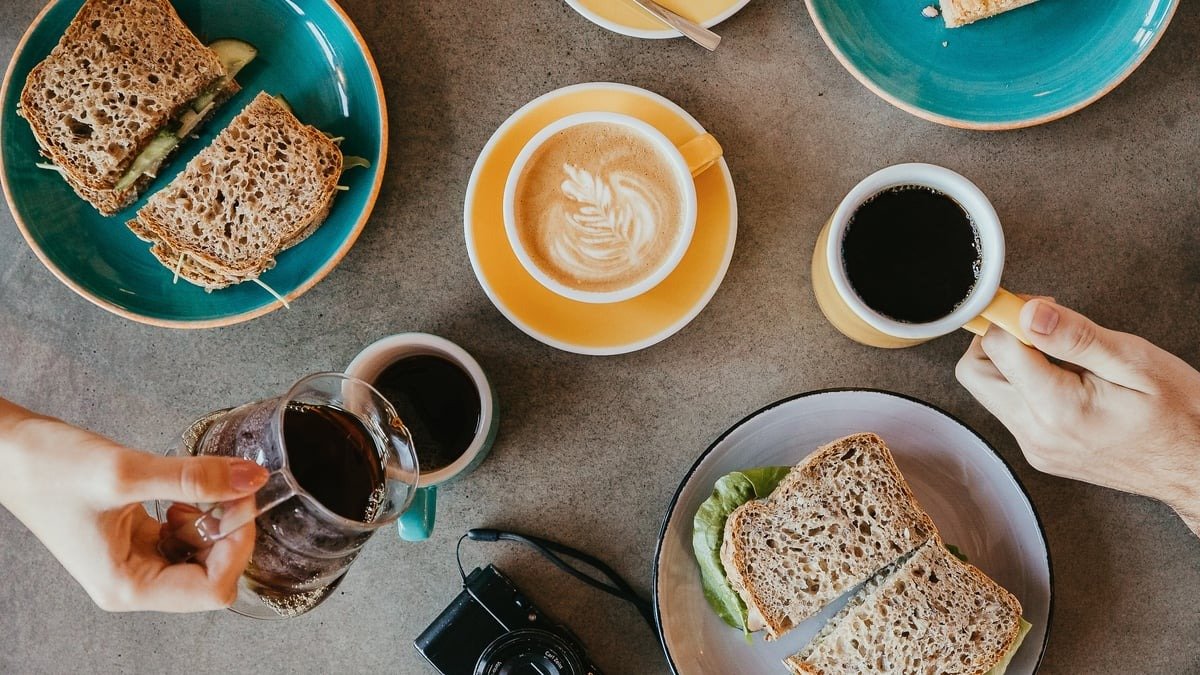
[341,464]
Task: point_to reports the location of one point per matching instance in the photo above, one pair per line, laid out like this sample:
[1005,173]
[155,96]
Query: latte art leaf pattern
[608,225]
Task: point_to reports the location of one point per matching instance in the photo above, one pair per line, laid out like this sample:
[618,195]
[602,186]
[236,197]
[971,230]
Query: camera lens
[530,652]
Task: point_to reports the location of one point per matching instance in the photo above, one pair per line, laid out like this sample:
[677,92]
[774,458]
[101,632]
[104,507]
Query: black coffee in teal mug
[443,396]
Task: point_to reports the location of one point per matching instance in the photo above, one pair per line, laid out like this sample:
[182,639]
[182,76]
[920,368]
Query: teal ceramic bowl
[308,51]
[1025,67]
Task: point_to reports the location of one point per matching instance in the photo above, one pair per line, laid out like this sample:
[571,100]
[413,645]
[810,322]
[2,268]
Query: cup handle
[701,152]
[1005,312]
[416,523]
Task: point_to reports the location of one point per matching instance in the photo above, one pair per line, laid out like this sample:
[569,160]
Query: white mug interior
[687,187]
[372,361]
[983,217]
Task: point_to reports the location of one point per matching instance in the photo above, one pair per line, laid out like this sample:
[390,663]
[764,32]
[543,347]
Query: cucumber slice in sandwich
[234,55]
[1002,667]
[150,158]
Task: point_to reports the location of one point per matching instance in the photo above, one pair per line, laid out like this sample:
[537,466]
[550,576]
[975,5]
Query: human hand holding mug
[81,494]
[1094,404]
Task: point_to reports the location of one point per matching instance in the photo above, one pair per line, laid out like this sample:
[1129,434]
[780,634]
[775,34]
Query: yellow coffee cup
[987,303]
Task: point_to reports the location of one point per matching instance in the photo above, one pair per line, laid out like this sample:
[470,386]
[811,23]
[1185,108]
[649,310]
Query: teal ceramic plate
[308,51]
[1025,67]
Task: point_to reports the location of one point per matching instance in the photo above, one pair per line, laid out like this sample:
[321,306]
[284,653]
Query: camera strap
[553,551]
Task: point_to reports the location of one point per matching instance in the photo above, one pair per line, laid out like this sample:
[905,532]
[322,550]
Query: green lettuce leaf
[708,528]
[957,552]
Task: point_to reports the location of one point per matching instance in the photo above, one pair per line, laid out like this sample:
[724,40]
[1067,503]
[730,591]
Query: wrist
[1181,491]
[1188,508]
[1185,478]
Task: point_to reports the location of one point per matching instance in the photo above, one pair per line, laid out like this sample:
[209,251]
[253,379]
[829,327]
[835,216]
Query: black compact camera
[491,628]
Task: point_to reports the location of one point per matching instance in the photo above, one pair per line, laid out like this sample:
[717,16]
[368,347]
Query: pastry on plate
[962,12]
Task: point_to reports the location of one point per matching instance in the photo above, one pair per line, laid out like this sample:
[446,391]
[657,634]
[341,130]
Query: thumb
[191,479]
[1070,336]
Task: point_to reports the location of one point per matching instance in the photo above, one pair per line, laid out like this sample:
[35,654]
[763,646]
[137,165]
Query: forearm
[14,447]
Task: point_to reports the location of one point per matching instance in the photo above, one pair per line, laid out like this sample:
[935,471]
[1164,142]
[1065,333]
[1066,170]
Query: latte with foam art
[599,207]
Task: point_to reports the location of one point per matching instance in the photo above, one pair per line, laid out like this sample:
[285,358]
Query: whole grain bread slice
[832,522]
[121,71]
[264,184]
[927,613]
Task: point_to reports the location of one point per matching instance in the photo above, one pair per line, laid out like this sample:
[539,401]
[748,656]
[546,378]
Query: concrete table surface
[1101,210]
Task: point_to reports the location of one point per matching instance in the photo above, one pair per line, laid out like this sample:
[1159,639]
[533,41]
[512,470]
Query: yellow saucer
[623,17]
[581,327]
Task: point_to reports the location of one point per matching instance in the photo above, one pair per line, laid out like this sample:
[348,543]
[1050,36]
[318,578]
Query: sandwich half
[962,12]
[836,519]
[126,82]
[265,183]
[928,613]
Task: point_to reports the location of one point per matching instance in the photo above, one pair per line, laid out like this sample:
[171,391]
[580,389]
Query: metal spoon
[698,34]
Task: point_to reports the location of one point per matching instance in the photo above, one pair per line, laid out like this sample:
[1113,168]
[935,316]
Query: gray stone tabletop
[1101,209]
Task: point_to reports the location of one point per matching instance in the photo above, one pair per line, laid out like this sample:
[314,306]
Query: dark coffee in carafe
[336,461]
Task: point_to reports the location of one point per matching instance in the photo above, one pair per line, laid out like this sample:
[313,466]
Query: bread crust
[192,270]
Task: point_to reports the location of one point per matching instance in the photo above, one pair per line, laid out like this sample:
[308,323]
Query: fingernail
[1045,319]
[246,476]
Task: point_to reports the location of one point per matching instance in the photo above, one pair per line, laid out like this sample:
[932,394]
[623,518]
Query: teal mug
[416,523]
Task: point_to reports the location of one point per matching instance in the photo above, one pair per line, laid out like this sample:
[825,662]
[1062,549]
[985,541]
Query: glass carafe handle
[180,542]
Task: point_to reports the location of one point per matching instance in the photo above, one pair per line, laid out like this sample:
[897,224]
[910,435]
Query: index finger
[1043,385]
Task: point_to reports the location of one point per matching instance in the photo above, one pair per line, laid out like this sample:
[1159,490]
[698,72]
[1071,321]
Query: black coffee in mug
[912,253]
[438,402]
